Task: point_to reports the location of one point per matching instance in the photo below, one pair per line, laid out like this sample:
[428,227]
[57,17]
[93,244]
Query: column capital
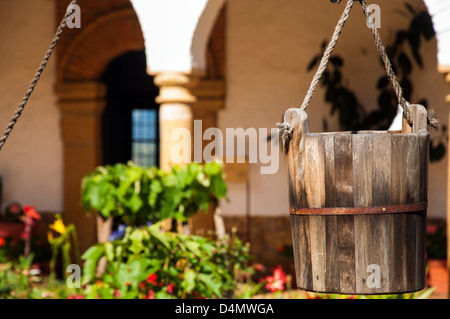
[174,88]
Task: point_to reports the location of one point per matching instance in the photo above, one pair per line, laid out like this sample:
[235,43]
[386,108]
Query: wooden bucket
[358,205]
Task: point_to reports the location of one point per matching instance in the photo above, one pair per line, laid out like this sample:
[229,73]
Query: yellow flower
[50,237]
[58,226]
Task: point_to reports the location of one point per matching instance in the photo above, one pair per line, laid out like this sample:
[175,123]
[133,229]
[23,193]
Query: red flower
[258,267]
[431,229]
[281,249]
[14,208]
[24,235]
[142,285]
[169,288]
[277,281]
[151,279]
[2,242]
[116,293]
[151,294]
[31,212]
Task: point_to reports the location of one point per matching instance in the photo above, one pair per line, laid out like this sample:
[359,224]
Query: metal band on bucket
[388,209]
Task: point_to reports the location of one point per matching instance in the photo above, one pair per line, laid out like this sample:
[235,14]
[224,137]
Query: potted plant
[139,196]
[17,226]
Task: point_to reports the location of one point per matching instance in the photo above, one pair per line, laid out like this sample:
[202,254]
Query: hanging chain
[36,77]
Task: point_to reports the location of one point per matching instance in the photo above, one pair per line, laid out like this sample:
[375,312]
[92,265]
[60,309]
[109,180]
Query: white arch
[176,33]
[440,13]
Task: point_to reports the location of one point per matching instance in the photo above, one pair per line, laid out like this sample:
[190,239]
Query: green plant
[149,263]
[352,115]
[21,280]
[62,241]
[139,195]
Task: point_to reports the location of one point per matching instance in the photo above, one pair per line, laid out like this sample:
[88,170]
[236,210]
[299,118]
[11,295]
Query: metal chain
[36,77]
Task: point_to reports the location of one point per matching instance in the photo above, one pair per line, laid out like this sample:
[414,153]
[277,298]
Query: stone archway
[99,43]
[81,99]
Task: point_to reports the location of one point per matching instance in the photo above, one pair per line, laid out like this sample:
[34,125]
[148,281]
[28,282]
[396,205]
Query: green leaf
[134,272]
[211,283]
[155,231]
[137,238]
[109,251]
[188,283]
[91,256]
[191,245]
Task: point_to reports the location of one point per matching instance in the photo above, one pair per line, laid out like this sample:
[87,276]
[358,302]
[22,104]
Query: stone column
[175,111]
[81,106]
[210,100]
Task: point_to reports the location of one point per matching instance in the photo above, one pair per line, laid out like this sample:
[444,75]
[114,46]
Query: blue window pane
[145,137]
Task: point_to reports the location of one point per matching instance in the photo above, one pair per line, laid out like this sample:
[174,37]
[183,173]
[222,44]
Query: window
[130,128]
[145,137]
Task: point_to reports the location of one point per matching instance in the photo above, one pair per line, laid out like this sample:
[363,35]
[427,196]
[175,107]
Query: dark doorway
[130,127]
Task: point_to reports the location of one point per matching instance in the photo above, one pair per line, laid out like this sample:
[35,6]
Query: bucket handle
[286,129]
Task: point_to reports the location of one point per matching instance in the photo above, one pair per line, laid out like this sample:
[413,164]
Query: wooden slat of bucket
[381,169]
[345,224]
[331,242]
[302,250]
[332,255]
[343,170]
[397,244]
[413,170]
[327,148]
[314,171]
[399,151]
[362,170]
[294,156]
[317,229]
[315,194]
[368,233]
[423,147]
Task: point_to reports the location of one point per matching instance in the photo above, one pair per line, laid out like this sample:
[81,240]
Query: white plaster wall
[269,45]
[31,159]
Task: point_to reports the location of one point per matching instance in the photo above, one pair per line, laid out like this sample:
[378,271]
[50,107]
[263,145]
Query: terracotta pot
[438,275]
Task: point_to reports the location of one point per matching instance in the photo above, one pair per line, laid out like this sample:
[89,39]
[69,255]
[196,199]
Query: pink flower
[277,281]
[116,293]
[151,294]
